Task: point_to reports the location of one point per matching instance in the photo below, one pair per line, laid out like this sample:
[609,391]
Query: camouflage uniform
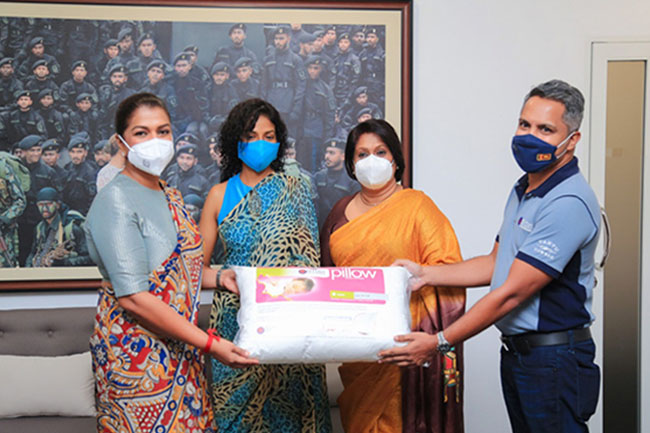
[12,205]
[60,241]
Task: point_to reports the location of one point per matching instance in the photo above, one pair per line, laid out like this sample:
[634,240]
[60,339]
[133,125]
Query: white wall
[473,63]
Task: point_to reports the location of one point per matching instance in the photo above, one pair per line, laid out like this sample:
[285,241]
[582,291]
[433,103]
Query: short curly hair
[241,120]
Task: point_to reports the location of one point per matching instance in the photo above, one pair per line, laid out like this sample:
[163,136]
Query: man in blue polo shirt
[541,276]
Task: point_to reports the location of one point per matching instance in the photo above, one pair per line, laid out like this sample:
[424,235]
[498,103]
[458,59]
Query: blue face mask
[257,154]
[534,154]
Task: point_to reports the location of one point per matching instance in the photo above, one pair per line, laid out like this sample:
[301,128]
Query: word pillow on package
[318,315]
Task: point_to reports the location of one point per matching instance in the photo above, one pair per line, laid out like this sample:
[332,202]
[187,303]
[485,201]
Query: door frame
[601,54]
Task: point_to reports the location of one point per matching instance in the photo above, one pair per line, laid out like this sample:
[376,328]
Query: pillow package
[319,315]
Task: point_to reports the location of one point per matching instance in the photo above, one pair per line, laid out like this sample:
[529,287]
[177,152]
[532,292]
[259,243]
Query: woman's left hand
[420,349]
[228,279]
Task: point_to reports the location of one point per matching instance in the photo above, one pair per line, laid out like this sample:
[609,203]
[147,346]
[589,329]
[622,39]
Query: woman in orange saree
[374,227]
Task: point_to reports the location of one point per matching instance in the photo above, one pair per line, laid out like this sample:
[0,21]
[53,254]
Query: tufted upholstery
[65,331]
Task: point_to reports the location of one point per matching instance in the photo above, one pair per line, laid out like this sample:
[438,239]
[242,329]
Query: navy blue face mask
[257,154]
[534,154]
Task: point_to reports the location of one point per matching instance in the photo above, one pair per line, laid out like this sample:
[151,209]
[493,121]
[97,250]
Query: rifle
[5,251]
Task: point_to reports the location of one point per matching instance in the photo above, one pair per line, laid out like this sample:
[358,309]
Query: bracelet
[221,269]
[212,335]
[218,278]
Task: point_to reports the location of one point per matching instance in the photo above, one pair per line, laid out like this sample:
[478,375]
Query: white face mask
[151,156]
[373,172]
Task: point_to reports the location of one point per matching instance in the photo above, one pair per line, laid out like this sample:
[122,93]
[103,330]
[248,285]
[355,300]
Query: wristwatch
[443,344]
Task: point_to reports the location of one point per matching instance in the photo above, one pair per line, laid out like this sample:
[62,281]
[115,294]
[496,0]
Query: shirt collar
[563,173]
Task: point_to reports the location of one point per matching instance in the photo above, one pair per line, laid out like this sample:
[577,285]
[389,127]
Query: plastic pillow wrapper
[320,315]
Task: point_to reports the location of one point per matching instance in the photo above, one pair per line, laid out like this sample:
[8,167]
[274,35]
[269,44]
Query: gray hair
[569,96]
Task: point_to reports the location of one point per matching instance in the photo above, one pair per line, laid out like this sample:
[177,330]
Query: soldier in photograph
[359,100]
[333,182]
[51,29]
[147,53]
[348,71]
[20,121]
[41,79]
[213,170]
[231,53]
[318,115]
[82,37]
[59,239]
[223,95]
[126,52]
[12,206]
[40,175]
[328,74]
[329,41]
[197,70]
[159,86]
[79,187]
[101,155]
[193,105]
[85,117]
[293,167]
[37,52]
[13,33]
[306,44]
[284,80]
[110,96]
[56,122]
[9,84]
[180,141]
[358,40]
[76,85]
[51,155]
[194,204]
[246,86]
[100,62]
[188,179]
[373,66]
[297,32]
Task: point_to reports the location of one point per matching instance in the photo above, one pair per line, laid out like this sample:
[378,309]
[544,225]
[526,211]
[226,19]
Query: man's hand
[416,281]
[420,349]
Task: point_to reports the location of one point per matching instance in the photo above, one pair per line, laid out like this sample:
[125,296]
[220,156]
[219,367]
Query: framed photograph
[65,66]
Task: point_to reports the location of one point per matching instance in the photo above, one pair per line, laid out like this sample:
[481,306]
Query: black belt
[523,342]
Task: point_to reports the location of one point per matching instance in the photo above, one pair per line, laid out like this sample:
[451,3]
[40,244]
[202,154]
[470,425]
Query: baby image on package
[316,315]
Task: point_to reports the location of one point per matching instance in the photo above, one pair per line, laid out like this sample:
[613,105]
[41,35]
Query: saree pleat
[385,398]
[144,382]
[274,225]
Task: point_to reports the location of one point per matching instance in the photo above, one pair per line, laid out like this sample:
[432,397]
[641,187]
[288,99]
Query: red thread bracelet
[212,335]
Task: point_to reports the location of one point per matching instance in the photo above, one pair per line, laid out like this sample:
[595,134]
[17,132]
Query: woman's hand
[420,349]
[228,279]
[232,356]
[416,281]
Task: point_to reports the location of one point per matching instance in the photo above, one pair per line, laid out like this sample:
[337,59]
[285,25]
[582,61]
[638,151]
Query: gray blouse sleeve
[117,239]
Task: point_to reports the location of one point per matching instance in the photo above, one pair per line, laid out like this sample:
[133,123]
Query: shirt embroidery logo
[525,225]
[547,249]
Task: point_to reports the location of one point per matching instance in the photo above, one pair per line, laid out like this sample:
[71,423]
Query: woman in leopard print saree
[259,216]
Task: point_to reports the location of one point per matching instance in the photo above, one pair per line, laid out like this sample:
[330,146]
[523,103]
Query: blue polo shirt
[555,229]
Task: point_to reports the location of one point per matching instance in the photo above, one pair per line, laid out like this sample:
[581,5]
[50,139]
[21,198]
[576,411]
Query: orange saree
[386,398]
